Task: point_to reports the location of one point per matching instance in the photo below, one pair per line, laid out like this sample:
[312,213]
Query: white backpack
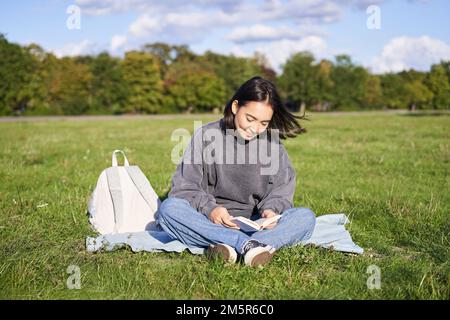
[123,200]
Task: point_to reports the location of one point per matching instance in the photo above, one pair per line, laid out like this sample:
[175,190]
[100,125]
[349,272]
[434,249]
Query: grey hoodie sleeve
[188,177]
[281,195]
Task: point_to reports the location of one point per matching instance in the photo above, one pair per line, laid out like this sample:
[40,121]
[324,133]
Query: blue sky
[413,34]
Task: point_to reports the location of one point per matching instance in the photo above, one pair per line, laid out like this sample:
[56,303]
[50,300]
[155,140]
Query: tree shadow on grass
[426,114]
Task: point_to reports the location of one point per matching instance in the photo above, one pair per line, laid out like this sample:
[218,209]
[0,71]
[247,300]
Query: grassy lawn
[388,172]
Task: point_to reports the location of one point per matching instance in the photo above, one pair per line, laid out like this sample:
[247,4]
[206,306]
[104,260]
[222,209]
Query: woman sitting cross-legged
[244,170]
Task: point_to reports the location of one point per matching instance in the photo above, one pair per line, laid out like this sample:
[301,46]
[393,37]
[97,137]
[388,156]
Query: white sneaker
[257,253]
[222,251]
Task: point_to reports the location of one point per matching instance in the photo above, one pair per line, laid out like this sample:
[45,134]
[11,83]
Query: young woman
[233,176]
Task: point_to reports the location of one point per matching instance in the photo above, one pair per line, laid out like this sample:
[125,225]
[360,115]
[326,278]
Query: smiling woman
[205,196]
[257,106]
[248,125]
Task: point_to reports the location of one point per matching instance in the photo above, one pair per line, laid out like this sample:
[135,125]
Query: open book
[248,225]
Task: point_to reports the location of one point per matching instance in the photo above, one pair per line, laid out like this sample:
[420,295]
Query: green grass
[388,172]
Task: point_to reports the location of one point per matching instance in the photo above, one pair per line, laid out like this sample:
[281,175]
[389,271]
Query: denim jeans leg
[295,225]
[194,229]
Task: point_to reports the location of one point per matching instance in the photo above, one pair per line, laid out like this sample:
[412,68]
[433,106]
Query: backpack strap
[114,158]
[144,186]
[113,178]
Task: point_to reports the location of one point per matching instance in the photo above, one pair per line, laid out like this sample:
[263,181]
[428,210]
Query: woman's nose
[259,129]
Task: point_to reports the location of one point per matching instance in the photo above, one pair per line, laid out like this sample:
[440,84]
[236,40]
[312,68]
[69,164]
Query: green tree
[163,52]
[446,66]
[108,85]
[194,87]
[394,94]
[170,78]
[167,54]
[70,86]
[145,87]
[373,93]
[438,83]
[417,95]
[16,69]
[323,94]
[305,82]
[232,70]
[349,84]
[44,68]
[298,81]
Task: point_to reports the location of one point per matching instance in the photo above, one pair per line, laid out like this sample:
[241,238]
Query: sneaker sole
[222,252]
[259,257]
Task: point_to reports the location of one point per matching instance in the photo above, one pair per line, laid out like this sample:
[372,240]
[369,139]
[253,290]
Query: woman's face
[252,118]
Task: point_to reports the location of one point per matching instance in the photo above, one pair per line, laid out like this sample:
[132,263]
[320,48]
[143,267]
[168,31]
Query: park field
[388,172]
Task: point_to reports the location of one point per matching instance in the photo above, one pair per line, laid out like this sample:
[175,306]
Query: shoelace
[250,244]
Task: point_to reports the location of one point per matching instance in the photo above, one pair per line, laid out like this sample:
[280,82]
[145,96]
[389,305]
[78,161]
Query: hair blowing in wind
[261,90]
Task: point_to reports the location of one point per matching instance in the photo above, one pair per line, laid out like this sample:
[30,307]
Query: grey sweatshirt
[222,169]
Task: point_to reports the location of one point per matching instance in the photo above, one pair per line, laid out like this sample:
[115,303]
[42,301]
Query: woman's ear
[234,107]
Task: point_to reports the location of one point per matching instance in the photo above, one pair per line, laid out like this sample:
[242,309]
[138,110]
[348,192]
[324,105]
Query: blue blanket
[329,233]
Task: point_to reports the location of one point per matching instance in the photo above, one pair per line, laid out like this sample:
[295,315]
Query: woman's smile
[246,133]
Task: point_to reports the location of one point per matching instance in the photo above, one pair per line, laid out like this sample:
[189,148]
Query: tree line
[163,78]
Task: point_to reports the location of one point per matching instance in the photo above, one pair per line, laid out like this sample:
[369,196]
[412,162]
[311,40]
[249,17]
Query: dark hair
[259,90]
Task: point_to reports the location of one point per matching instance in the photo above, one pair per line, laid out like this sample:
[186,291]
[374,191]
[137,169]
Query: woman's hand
[221,216]
[269,214]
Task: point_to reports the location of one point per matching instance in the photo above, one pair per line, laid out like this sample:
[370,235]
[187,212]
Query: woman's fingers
[215,220]
[268,214]
[271,226]
[226,221]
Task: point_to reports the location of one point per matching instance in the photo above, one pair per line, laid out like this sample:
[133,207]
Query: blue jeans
[194,229]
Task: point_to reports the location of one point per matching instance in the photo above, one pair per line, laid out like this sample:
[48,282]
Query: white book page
[248,225]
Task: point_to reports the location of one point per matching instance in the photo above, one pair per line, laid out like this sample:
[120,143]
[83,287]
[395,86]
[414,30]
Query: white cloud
[117,42]
[278,52]
[84,47]
[182,28]
[278,27]
[228,11]
[197,22]
[102,7]
[178,26]
[261,32]
[306,11]
[145,25]
[405,53]
[190,22]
